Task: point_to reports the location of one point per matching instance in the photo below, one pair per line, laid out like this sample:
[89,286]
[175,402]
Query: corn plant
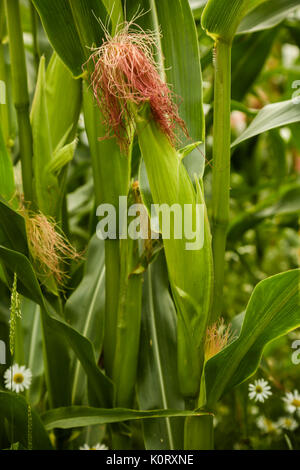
[120,340]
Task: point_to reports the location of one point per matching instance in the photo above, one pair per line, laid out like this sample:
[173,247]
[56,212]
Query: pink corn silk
[125,72]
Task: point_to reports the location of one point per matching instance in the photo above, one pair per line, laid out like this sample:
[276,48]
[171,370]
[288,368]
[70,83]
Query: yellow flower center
[269,425]
[258,389]
[296,403]
[18,378]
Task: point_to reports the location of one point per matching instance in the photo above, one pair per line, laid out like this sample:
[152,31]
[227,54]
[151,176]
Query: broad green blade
[60,27]
[2,20]
[87,14]
[249,55]
[115,10]
[157,381]
[111,172]
[270,117]
[197,4]
[273,311]
[81,416]
[58,332]
[220,18]
[7,182]
[14,409]
[267,15]
[42,146]
[85,309]
[64,100]
[51,155]
[12,229]
[33,348]
[181,61]
[128,324]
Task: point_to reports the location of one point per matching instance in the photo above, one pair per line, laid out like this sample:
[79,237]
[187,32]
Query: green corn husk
[191,272]
[221,18]
[52,145]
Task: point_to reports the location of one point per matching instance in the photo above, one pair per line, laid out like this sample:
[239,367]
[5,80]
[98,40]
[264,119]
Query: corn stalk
[20,93]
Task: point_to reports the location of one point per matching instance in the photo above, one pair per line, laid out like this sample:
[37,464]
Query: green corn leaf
[58,331]
[249,54]
[85,309]
[42,147]
[7,111]
[128,324]
[60,27]
[86,14]
[14,409]
[157,381]
[273,311]
[197,5]
[181,60]
[81,416]
[7,182]
[73,28]
[115,10]
[48,163]
[2,20]
[267,15]
[111,178]
[220,19]
[61,158]
[33,348]
[63,93]
[270,117]
[12,229]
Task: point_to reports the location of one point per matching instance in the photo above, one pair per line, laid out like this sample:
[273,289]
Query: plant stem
[20,92]
[198,434]
[221,169]
[112,276]
[4,108]
[34,25]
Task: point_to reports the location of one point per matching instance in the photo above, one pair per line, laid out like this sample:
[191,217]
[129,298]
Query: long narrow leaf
[14,409]
[80,416]
[102,387]
[270,117]
[273,311]
[158,383]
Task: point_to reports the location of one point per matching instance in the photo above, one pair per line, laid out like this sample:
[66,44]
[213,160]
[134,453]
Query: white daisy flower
[288,423]
[17,378]
[292,402]
[266,425]
[95,447]
[260,390]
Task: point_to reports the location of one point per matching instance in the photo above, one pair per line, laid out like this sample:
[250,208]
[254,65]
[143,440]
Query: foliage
[118,344]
